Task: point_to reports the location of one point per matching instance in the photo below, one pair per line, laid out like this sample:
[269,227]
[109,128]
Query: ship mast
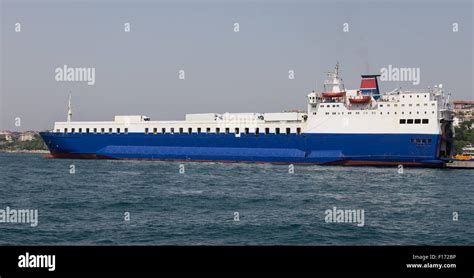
[69,109]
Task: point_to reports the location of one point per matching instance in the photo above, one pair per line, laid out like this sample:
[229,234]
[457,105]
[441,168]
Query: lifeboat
[362,99]
[333,94]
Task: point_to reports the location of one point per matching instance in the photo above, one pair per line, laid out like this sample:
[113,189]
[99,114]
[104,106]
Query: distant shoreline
[25,151]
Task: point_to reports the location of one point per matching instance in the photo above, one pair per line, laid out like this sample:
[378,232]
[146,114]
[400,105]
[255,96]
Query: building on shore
[463,111]
[27,136]
[6,136]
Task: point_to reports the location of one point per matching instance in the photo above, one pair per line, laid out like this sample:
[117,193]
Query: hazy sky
[225,71]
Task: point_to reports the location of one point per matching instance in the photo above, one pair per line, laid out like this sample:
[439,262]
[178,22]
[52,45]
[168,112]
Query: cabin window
[218,130]
[87,130]
[247,130]
[298,130]
[80,130]
[410,105]
[180,130]
[118,130]
[410,121]
[403,121]
[65,130]
[163,130]
[426,104]
[199,130]
[432,104]
[190,130]
[381,105]
[146,130]
[126,130]
[417,104]
[110,130]
[95,130]
[73,130]
[155,130]
[288,130]
[208,130]
[172,130]
[277,130]
[327,113]
[267,130]
[256,131]
[417,121]
[425,121]
[102,130]
[237,130]
[227,130]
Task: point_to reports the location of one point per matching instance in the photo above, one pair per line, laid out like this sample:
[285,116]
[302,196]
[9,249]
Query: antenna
[69,108]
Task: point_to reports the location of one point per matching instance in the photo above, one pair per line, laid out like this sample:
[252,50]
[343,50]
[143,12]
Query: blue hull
[345,149]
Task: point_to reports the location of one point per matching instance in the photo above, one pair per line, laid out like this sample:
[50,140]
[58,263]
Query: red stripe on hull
[337,163]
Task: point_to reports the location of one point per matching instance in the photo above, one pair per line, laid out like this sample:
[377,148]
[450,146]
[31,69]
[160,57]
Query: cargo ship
[340,127]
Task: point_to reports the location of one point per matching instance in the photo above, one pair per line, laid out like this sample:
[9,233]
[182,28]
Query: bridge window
[410,121]
[417,121]
[425,121]
[403,121]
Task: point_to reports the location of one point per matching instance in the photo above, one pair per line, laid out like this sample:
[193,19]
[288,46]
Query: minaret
[69,109]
